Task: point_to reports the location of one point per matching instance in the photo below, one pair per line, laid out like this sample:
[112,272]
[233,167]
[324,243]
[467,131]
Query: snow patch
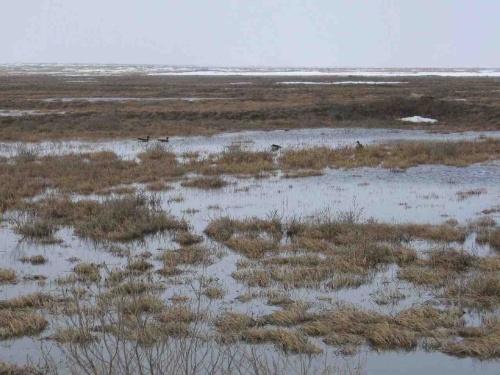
[419,119]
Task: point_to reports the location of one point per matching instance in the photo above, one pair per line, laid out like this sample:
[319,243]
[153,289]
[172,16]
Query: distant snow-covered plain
[75,70]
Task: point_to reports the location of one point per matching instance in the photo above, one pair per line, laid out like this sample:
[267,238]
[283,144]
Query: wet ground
[424,194]
[251,140]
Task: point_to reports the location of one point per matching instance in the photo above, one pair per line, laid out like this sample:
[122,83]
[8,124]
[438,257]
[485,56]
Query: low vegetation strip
[26,176]
[400,155]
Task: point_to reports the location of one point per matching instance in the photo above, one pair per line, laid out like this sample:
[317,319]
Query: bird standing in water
[359,146]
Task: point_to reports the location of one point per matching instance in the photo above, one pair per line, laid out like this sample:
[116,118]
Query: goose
[359,146]
[143,139]
[275,147]
[164,140]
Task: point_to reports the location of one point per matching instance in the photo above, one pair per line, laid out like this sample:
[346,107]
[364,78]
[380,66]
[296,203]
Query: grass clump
[11,369]
[401,155]
[29,301]
[34,260]
[126,218]
[71,335]
[214,292]
[490,236]
[7,276]
[185,238]
[206,183]
[188,255]
[484,344]
[20,323]
[36,229]
[481,290]
[287,341]
[139,266]
[235,161]
[87,272]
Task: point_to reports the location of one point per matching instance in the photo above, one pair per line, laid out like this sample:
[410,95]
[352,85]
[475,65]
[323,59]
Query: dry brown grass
[206,183]
[491,237]
[73,336]
[178,313]
[7,276]
[235,161]
[29,301]
[139,266]
[214,292]
[483,344]
[288,341]
[121,218]
[402,155]
[185,238]
[302,173]
[34,259]
[291,315]
[36,229]
[221,229]
[87,272]
[11,369]
[188,255]
[14,323]
[481,290]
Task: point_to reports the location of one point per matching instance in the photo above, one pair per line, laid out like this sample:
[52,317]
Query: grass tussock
[348,326]
[235,161]
[87,272]
[35,260]
[214,292]
[11,369]
[139,266]
[481,290]
[490,236]
[185,238]
[125,219]
[402,155]
[29,301]
[188,255]
[36,229]
[483,344]
[20,323]
[73,336]
[7,276]
[121,218]
[206,183]
[287,341]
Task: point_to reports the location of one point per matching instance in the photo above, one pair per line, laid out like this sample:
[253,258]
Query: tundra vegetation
[223,294]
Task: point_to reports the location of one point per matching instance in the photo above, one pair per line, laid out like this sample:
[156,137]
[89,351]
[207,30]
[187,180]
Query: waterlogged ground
[251,140]
[423,194]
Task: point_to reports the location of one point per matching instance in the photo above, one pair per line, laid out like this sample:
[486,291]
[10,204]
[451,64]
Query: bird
[164,140]
[359,146]
[143,139]
[275,147]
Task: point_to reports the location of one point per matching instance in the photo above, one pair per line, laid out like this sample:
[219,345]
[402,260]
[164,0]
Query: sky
[314,33]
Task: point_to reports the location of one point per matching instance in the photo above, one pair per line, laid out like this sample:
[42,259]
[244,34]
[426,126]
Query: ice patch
[26,112]
[341,83]
[417,119]
[125,99]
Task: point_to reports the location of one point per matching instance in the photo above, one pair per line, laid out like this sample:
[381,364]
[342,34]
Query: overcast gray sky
[326,33]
